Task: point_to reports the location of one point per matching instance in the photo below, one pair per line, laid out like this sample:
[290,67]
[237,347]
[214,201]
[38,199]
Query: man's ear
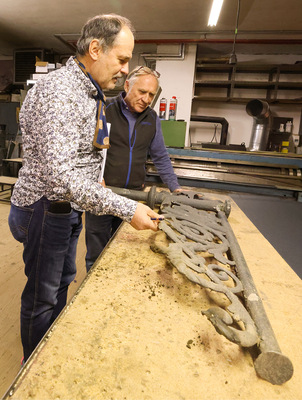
[126,86]
[95,49]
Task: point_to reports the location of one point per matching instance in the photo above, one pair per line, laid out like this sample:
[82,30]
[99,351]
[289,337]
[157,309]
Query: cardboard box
[36,77]
[41,66]
[41,69]
[174,133]
[15,98]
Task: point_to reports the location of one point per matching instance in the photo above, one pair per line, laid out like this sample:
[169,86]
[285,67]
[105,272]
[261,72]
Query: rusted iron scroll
[203,247]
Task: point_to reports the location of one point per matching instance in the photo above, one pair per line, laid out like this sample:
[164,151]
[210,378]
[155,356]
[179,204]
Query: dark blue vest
[125,164]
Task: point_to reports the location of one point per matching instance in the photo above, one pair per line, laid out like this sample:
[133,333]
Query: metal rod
[189,198]
[271,364]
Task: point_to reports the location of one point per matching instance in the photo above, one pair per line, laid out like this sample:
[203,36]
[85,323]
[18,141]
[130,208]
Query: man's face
[113,63]
[140,95]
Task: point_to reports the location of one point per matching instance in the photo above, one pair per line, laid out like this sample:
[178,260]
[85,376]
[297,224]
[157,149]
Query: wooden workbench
[135,331]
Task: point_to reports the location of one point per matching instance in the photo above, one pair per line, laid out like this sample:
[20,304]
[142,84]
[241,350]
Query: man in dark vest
[135,132]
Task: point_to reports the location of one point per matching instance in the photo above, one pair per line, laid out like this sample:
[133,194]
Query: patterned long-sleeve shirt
[57,122]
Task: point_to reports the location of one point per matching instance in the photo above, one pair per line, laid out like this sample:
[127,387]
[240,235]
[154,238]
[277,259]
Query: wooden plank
[135,330]
[14,160]
[7,180]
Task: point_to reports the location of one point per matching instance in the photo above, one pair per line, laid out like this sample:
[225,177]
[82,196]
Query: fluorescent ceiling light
[215,11]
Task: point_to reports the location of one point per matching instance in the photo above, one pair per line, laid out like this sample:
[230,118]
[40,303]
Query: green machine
[174,133]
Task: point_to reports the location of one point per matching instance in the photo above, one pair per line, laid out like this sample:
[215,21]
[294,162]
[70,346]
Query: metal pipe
[70,40]
[218,41]
[220,120]
[165,56]
[300,130]
[260,111]
[271,364]
[189,198]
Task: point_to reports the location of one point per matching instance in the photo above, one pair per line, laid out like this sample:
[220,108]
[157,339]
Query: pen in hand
[157,219]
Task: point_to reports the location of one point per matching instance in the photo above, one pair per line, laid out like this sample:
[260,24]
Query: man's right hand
[142,218]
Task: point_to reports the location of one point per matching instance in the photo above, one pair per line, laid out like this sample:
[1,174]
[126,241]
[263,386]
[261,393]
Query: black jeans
[98,231]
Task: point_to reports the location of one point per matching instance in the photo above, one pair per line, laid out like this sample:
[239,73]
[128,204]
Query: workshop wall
[240,123]
[6,74]
[177,79]
[177,76]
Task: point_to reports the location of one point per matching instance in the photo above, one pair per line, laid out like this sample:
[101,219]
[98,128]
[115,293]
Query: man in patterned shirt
[63,127]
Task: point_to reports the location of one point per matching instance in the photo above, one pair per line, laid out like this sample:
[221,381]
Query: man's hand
[142,218]
[180,190]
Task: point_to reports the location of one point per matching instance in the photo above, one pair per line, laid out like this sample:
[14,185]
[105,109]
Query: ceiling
[273,26]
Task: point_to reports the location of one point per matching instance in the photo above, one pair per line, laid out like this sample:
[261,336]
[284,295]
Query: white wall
[240,123]
[176,79]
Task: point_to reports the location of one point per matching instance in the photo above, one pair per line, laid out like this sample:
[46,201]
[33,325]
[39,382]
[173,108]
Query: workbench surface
[135,330]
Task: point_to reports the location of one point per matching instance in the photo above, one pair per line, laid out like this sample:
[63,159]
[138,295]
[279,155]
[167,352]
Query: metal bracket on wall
[203,247]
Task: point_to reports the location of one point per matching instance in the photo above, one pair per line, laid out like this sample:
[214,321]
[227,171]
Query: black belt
[60,207]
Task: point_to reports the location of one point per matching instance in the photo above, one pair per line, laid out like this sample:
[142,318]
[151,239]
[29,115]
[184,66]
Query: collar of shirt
[130,116]
[101,137]
[98,93]
[90,87]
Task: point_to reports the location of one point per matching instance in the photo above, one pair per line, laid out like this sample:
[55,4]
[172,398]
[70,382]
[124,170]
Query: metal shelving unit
[231,83]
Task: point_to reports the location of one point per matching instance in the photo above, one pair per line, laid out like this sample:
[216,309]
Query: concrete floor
[279,219]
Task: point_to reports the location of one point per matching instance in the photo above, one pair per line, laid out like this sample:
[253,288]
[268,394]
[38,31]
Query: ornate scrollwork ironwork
[198,235]
[199,232]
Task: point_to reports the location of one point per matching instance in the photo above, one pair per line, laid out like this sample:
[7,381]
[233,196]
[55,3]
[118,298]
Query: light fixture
[215,11]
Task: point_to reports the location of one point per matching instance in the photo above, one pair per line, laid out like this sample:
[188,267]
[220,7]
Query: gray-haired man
[63,127]
[135,132]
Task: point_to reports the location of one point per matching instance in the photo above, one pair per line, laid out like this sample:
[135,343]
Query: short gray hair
[139,71]
[105,28]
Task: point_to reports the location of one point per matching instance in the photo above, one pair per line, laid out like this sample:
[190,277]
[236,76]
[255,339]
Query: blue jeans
[98,231]
[50,242]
